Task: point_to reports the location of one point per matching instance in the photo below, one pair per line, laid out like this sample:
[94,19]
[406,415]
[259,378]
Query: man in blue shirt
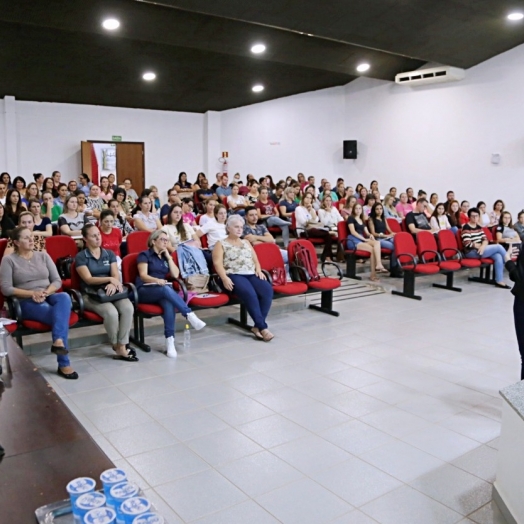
[223,190]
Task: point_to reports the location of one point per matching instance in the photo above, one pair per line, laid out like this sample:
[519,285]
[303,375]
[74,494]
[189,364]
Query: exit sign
[116,138]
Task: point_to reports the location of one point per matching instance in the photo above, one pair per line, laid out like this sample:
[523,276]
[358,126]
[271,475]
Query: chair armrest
[134,294]
[268,276]
[301,231]
[216,283]
[15,311]
[182,285]
[296,272]
[339,272]
[77,296]
[413,259]
[430,251]
[456,252]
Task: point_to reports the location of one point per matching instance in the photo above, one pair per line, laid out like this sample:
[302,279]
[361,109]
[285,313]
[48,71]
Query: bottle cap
[187,326]
[149,518]
[81,485]
[124,490]
[89,501]
[100,516]
[113,476]
[135,506]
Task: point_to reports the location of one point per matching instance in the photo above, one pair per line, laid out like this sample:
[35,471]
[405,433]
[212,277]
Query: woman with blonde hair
[389,208]
[345,212]
[329,215]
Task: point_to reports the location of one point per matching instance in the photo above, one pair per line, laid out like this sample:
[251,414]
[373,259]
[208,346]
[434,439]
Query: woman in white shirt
[329,215]
[215,229]
[177,230]
[308,224]
[432,204]
[439,219]
[210,212]
[389,208]
[145,220]
[236,202]
[485,219]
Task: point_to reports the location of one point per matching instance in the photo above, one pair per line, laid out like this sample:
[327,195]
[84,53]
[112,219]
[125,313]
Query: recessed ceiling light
[258,88]
[362,68]
[515,16]
[258,48]
[111,24]
[149,76]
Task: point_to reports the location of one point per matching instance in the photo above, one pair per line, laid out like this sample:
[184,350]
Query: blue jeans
[256,294]
[55,312]
[497,253]
[169,300]
[388,244]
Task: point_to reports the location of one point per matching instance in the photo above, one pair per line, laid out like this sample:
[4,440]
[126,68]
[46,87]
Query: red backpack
[303,259]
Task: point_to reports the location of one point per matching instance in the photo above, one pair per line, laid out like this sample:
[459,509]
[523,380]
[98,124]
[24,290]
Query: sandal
[374,279]
[502,286]
[381,270]
[128,358]
[130,351]
[267,336]
[257,334]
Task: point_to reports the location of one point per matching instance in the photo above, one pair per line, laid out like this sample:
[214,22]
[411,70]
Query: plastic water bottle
[3,341]
[187,337]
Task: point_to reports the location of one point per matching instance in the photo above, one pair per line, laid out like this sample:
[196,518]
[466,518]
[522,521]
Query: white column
[11,136]
[212,151]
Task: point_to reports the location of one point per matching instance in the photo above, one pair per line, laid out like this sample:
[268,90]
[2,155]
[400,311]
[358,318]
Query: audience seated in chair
[177,230]
[145,219]
[268,214]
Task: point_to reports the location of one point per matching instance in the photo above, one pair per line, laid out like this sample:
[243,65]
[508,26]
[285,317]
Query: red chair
[324,284]
[394,225]
[61,246]
[351,253]
[86,317]
[489,233]
[406,252]
[485,264]
[137,241]
[270,258]
[218,299]
[203,242]
[403,226]
[427,250]
[3,245]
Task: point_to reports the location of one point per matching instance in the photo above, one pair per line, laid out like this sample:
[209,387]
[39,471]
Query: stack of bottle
[120,502]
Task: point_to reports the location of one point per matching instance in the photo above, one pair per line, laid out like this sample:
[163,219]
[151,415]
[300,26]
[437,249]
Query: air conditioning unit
[433,75]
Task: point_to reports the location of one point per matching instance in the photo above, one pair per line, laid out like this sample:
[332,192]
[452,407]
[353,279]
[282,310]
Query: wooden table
[45,445]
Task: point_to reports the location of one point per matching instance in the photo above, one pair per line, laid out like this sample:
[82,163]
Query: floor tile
[394,421]
[167,464]
[259,473]
[212,394]
[401,460]
[354,517]
[243,513]
[141,438]
[150,387]
[407,505]
[430,408]
[474,426]
[488,514]
[454,488]
[316,416]
[311,454]
[164,406]
[481,462]
[356,437]
[282,399]
[321,388]
[356,481]
[240,411]
[355,378]
[303,502]
[272,431]
[223,446]
[99,399]
[193,424]
[118,417]
[355,403]
[200,495]
[254,383]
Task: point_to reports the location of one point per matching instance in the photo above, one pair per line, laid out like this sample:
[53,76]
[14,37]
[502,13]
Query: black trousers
[328,239]
[518,315]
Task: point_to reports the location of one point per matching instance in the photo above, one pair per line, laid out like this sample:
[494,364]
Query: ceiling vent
[433,75]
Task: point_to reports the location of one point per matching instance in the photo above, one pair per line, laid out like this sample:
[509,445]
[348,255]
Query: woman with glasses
[154,267]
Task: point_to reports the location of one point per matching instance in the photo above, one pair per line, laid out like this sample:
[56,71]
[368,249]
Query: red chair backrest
[488,233]
[203,241]
[137,241]
[293,222]
[3,245]
[269,256]
[197,219]
[403,226]
[130,268]
[447,243]
[308,246]
[75,277]
[60,246]
[458,237]
[426,242]
[394,225]
[343,231]
[404,243]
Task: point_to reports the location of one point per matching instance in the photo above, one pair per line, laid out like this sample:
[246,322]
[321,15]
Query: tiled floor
[389,413]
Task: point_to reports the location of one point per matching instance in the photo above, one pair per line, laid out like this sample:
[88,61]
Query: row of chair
[270,259]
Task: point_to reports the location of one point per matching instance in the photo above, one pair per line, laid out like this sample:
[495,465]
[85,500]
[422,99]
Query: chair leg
[449,283]
[484,276]
[351,267]
[326,304]
[408,290]
[139,341]
[19,340]
[243,319]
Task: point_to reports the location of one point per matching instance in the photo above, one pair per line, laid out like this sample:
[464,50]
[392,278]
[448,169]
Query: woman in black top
[13,205]
[453,215]
[360,239]
[183,186]
[6,224]
[49,185]
[379,229]
[516,274]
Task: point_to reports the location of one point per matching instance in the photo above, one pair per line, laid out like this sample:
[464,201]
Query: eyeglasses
[162,239]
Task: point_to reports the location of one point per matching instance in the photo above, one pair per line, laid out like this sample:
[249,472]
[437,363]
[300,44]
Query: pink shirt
[403,209]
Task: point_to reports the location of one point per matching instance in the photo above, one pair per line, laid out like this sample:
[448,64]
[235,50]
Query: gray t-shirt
[98,267]
[75,224]
[34,274]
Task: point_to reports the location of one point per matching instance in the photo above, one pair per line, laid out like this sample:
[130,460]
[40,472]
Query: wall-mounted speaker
[350,149]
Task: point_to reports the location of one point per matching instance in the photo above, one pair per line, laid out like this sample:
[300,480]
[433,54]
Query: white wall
[285,136]
[441,137]
[49,137]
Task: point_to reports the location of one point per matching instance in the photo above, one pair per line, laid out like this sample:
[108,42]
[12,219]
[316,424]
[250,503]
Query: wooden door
[130,164]
[85,148]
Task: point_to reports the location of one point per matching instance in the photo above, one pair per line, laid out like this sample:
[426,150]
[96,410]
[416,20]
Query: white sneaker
[195,321]
[170,347]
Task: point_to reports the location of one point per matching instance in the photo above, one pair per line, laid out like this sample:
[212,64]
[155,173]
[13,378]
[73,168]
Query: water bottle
[187,337]
[3,341]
